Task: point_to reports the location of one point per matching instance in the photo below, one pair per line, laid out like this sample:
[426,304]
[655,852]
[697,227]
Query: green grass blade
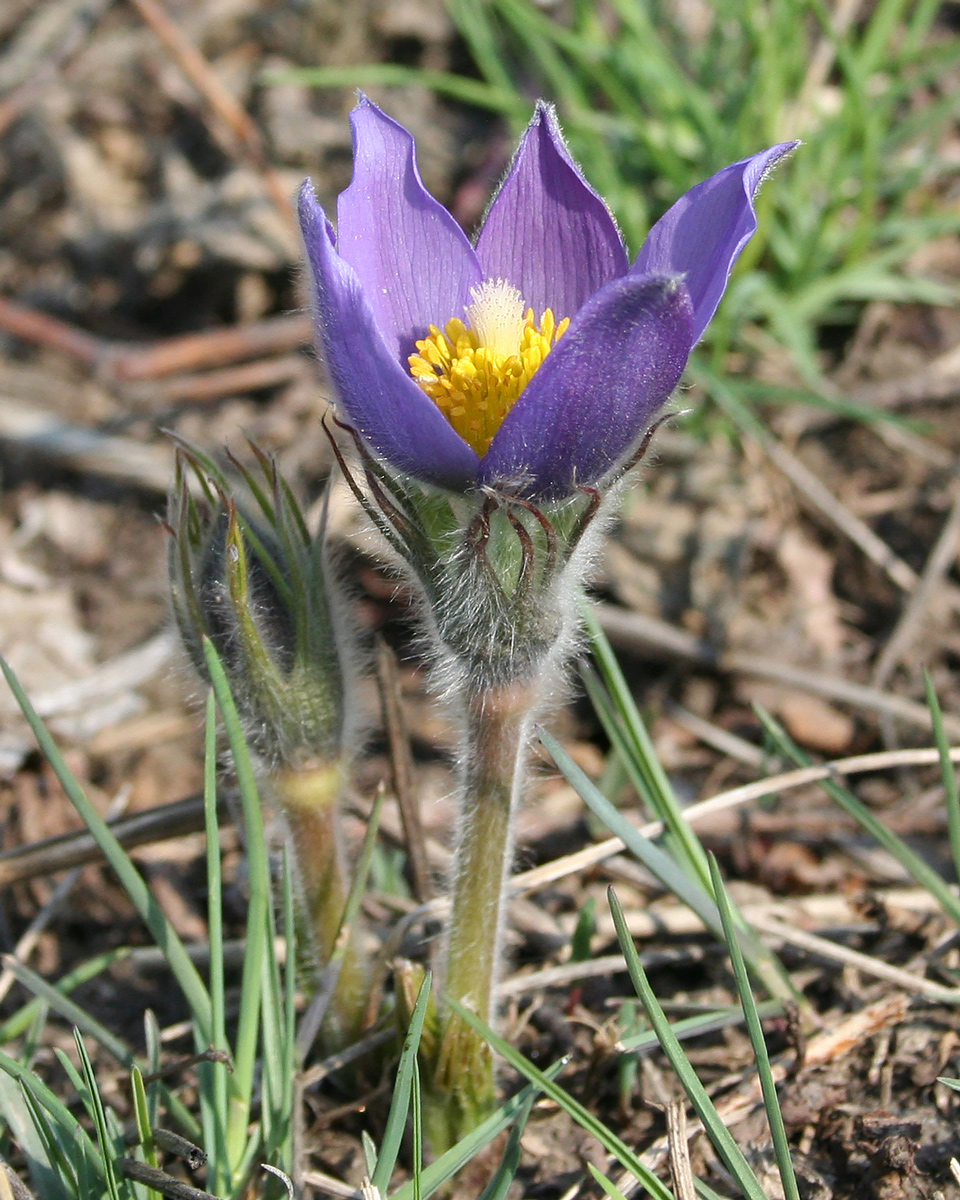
[444,83]
[417,1131]
[768,1086]
[17,1024]
[154,1046]
[107,1150]
[282,990]
[638,749]
[71,1011]
[141,1113]
[509,1164]
[473,22]
[439,1173]
[133,882]
[912,863]
[278,1024]
[369,1153]
[400,1104]
[947,771]
[657,861]
[609,1187]
[258,922]
[580,943]
[718,1133]
[214,1080]
[700,1023]
[48,1100]
[52,1172]
[592,1123]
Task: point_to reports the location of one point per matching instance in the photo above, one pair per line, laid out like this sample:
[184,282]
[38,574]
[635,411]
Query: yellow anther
[475,373]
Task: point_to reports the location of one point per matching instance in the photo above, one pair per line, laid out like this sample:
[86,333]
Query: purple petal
[548,232]
[394,417]
[701,237]
[598,391]
[413,260]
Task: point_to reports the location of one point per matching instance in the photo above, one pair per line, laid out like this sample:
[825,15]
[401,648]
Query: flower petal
[598,391]
[548,232]
[414,262]
[394,416]
[702,235]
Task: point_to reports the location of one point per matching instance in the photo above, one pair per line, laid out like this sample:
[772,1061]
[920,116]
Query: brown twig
[76,849]
[242,132]
[718,738]
[825,502]
[160,1181]
[401,765]
[118,362]
[867,963]
[213,348]
[80,448]
[40,329]
[209,386]
[11,1186]
[571,864]
[942,556]
[678,1157]
[801,777]
[36,74]
[638,633]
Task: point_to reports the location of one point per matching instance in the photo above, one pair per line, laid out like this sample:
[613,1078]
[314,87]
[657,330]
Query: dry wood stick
[118,362]
[80,448]
[241,126]
[943,555]
[11,1186]
[801,777]
[638,632]
[27,943]
[213,348]
[824,1048]
[41,329]
[822,499]
[74,38]
[76,849]
[401,765]
[722,740]
[867,963]
[209,386]
[678,1156]
[570,864]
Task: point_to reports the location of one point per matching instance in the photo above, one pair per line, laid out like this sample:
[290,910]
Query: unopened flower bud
[259,587]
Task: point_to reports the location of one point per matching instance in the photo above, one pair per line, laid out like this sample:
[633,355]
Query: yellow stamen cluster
[475,372]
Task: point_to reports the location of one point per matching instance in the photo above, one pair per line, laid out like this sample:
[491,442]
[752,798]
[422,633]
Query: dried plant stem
[310,801]
[497,727]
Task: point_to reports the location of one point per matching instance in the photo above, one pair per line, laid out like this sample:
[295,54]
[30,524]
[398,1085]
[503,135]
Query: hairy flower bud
[248,575]
[260,588]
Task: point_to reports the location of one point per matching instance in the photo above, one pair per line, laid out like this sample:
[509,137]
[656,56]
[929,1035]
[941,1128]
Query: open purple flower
[536,359]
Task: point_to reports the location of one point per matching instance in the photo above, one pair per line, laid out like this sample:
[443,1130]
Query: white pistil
[496,315]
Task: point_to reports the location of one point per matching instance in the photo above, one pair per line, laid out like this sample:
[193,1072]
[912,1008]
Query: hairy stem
[309,798]
[497,725]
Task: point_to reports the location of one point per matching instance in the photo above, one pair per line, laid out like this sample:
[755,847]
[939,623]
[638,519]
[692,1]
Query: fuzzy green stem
[309,798]
[497,724]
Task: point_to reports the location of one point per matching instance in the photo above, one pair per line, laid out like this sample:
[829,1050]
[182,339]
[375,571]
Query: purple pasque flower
[498,395]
